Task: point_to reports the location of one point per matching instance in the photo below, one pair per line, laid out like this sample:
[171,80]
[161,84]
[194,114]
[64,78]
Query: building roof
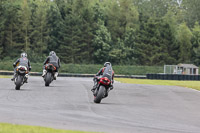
[187,66]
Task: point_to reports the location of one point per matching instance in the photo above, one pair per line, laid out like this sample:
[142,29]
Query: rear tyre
[48,79]
[18,82]
[100,94]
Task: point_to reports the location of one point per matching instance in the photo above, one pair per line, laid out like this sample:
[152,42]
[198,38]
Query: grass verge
[188,84]
[2,76]
[12,128]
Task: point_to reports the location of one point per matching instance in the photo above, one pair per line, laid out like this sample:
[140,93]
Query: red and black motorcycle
[102,89]
[49,76]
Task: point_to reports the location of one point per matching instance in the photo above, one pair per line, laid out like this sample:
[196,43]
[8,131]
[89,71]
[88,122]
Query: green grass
[2,76]
[12,128]
[188,84]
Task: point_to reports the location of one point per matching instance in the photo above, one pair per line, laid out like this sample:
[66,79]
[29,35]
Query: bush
[137,70]
[90,69]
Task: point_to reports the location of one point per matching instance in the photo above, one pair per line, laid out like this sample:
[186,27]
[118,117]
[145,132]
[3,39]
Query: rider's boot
[55,75]
[111,87]
[106,94]
[12,79]
[93,88]
[26,78]
[44,72]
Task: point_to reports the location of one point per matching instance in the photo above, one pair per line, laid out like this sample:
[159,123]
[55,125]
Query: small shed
[189,69]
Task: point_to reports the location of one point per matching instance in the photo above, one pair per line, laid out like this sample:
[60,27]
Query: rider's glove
[94,78]
[14,65]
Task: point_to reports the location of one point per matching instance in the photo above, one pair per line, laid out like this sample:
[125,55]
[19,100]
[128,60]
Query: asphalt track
[129,108]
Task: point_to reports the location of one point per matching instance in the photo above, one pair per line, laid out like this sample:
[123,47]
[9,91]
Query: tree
[121,15]
[192,14]
[130,47]
[86,28]
[168,33]
[118,53]
[196,44]
[2,23]
[77,32]
[11,42]
[156,43]
[40,33]
[69,49]
[184,37]
[25,25]
[155,8]
[101,44]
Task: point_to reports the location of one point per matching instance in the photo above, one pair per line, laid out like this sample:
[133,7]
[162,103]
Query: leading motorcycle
[102,89]
[49,76]
[21,76]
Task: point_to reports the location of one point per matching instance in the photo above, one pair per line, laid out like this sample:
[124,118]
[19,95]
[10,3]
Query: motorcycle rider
[101,72]
[23,61]
[52,59]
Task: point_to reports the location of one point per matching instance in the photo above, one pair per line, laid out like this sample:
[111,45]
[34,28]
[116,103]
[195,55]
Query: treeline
[134,32]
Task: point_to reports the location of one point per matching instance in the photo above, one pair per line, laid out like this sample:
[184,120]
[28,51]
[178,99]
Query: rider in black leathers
[23,61]
[52,59]
[100,73]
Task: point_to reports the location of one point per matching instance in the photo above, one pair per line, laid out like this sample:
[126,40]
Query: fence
[173,77]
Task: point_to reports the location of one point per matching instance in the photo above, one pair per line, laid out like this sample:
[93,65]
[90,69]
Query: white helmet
[23,54]
[52,53]
[107,63]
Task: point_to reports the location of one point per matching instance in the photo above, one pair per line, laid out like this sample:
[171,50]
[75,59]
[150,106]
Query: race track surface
[129,108]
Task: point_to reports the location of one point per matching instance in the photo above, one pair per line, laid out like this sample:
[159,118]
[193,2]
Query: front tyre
[18,82]
[48,79]
[100,94]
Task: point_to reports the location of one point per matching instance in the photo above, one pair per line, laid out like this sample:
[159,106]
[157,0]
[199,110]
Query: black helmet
[107,63]
[52,53]
[23,54]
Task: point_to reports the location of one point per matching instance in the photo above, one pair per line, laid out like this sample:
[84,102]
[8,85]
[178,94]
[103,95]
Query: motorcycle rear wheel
[48,79]
[18,82]
[100,94]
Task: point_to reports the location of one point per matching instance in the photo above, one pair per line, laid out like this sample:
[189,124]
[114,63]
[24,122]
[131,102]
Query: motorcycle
[49,76]
[102,89]
[21,76]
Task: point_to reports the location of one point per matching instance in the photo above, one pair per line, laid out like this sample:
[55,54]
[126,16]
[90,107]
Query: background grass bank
[2,76]
[90,68]
[11,128]
[188,84]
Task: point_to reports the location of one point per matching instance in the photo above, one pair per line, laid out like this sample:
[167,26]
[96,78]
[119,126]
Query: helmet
[23,54]
[107,63]
[52,53]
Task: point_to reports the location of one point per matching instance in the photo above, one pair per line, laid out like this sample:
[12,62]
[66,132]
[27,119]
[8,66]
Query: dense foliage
[133,32]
